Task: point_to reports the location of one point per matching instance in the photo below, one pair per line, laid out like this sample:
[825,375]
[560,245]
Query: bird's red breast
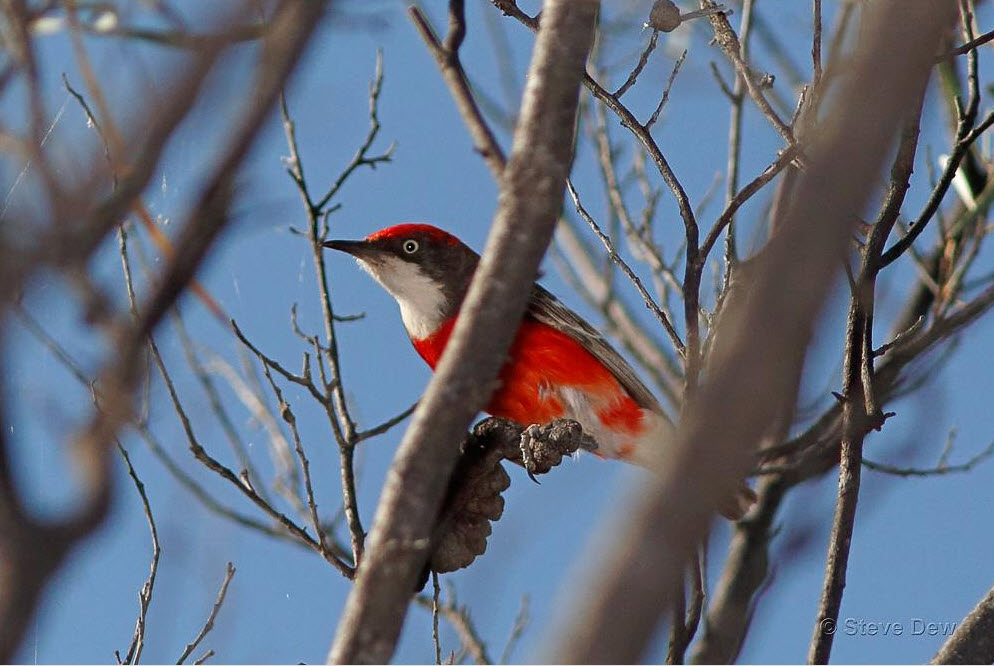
[543,361]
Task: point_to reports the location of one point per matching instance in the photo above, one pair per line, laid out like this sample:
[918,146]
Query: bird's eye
[410,246]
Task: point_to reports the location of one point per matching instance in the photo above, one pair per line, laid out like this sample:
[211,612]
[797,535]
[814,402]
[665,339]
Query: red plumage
[409,230]
[543,358]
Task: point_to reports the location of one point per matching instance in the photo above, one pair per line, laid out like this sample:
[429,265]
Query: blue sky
[922,546]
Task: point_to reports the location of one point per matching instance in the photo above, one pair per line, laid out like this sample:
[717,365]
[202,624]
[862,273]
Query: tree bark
[530,202]
[760,342]
[973,640]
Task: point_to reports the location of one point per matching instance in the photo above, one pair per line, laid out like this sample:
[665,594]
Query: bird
[558,366]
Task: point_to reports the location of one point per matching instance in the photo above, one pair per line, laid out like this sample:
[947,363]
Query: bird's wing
[545,308]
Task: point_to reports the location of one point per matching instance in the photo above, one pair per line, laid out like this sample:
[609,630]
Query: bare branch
[728,42]
[435,593]
[531,198]
[640,65]
[666,91]
[939,470]
[742,196]
[816,66]
[713,448]
[292,27]
[342,424]
[228,575]
[973,640]
[287,415]
[967,131]
[458,617]
[737,97]
[448,61]
[145,434]
[861,416]
[613,254]
[134,654]
[375,431]
[520,624]
[967,47]
[241,483]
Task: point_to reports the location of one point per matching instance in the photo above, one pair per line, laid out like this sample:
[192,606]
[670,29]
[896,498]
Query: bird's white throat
[421,299]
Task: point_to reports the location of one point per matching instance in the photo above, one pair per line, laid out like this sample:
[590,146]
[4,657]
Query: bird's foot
[527,443]
[543,447]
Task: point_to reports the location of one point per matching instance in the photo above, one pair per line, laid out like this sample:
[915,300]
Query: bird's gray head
[425,269]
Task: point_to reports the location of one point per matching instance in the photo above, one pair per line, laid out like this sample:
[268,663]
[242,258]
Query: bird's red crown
[402,230]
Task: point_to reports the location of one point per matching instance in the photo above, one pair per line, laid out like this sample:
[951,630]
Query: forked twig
[209,624]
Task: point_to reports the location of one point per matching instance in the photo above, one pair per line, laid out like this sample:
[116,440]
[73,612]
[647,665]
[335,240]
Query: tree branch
[973,640]
[530,202]
[447,57]
[762,336]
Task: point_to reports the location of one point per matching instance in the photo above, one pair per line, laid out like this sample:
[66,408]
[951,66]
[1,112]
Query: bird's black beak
[358,249]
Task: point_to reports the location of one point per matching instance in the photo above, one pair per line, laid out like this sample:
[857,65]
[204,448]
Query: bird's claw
[527,458]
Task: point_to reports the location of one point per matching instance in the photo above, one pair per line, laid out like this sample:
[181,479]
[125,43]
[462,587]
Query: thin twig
[286,479]
[375,431]
[643,59]
[362,157]
[134,654]
[205,458]
[91,119]
[666,91]
[436,590]
[213,398]
[202,659]
[939,470]
[742,196]
[228,574]
[967,47]
[287,414]
[609,246]
[458,617]
[447,58]
[301,380]
[728,42]
[737,97]
[966,134]
[155,447]
[639,237]
[342,424]
[901,337]
[517,629]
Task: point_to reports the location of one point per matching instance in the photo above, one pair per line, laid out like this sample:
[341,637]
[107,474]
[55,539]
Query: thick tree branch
[530,202]
[761,341]
[973,640]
